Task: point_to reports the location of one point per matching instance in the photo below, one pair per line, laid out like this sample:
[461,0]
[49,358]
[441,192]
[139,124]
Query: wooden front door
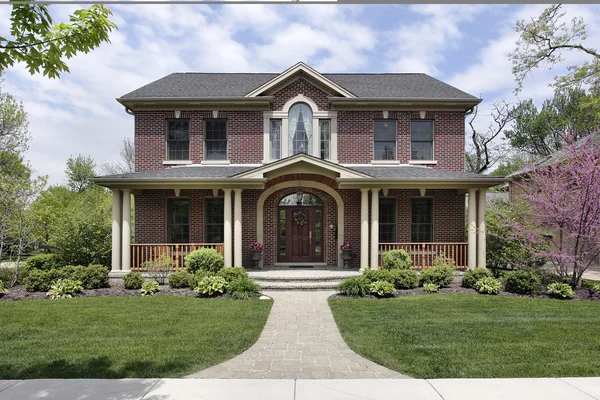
[300,234]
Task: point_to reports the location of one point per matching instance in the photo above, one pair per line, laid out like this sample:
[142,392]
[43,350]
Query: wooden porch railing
[423,254]
[141,252]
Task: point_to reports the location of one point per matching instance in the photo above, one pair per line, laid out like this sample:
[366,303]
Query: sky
[466,46]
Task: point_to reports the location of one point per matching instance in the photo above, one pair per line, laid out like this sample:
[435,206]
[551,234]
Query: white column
[237,228]
[227,227]
[364,229]
[375,229]
[116,230]
[481,261]
[284,138]
[126,231]
[316,135]
[472,229]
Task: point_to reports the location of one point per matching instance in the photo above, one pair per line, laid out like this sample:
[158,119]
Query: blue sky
[464,45]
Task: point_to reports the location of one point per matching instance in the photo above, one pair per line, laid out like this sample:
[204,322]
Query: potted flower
[256,252]
[346,253]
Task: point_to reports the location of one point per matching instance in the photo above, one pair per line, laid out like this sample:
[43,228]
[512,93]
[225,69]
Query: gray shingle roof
[207,85]
[195,172]
[409,172]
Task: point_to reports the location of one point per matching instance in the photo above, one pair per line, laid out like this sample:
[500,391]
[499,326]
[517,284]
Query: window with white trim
[387,219]
[216,139]
[384,136]
[421,215]
[214,219]
[421,140]
[300,129]
[178,220]
[275,139]
[325,131]
[178,139]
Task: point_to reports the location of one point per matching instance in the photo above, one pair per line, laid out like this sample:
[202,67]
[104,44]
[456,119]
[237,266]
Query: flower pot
[346,256]
[256,256]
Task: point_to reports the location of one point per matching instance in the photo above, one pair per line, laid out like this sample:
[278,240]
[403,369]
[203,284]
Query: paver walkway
[299,341]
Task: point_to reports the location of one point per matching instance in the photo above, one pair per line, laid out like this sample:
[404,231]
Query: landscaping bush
[44,262]
[488,285]
[210,286]
[180,279]
[94,276]
[441,275]
[396,259]
[197,277]
[243,288]
[206,259]
[159,268]
[471,277]
[231,274]
[523,282]
[149,288]
[404,278]
[57,273]
[133,280]
[355,286]
[375,275]
[37,281]
[560,290]
[430,287]
[382,288]
[64,289]
[6,275]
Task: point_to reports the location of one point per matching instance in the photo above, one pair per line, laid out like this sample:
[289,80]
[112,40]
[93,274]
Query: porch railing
[423,254]
[141,252]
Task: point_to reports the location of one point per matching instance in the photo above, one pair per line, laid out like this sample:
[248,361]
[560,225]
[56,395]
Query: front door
[300,234]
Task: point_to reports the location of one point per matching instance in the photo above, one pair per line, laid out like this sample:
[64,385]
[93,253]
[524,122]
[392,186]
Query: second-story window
[275,139]
[421,140]
[178,139]
[384,136]
[325,130]
[216,139]
[300,129]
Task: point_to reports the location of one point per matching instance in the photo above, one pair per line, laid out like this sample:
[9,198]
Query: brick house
[301,162]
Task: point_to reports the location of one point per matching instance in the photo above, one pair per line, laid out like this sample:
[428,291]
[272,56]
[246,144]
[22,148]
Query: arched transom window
[300,129]
[301,199]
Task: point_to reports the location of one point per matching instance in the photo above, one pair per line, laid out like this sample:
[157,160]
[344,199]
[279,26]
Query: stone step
[298,285]
[299,279]
[301,276]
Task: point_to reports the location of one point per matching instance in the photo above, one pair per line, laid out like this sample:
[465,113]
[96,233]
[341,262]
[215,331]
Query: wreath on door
[300,218]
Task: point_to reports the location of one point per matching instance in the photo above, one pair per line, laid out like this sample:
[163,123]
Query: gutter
[402,99]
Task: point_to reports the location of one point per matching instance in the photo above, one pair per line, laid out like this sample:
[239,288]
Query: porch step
[298,285]
[300,280]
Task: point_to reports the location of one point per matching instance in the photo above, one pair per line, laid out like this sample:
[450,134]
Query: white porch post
[472,229]
[237,228]
[126,231]
[481,261]
[364,229]
[227,227]
[375,229]
[116,230]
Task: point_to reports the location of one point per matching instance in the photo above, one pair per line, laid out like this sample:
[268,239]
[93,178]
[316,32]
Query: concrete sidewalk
[290,389]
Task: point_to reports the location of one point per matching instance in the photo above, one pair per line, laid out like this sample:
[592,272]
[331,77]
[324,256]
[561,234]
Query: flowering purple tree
[563,199]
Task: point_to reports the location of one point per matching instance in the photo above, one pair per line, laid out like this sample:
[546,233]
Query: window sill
[177,162]
[385,162]
[215,162]
[422,162]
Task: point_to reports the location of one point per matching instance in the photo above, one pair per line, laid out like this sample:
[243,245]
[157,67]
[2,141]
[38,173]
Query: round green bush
[523,282]
[560,290]
[181,279]
[355,286]
[95,277]
[44,262]
[133,280]
[231,274]
[441,275]
[243,288]
[396,259]
[37,281]
[488,285]
[382,288]
[404,278]
[471,277]
[206,259]
[375,275]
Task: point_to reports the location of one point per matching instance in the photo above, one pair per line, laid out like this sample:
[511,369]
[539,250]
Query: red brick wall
[300,86]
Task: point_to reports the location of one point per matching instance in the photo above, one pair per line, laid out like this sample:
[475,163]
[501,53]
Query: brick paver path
[299,341]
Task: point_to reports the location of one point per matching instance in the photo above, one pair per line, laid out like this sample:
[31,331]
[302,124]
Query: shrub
[57,273]
[404,278]
[37,281]
[94,276]
[64,289]
[396,259]
[523,282]
[44,262]
[441,275]
[471,277]
[133,280]
[75,272]
[560,290]
[180,279]
[382,288]
[374,275]
[204,258]
[197,277]
[210,285]
[7,274]
[159,268]
[231,274]
[355,286]
[488,285]
[430,287]
[243,288]
[149,288]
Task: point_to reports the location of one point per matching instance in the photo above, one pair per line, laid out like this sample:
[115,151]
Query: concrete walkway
[299,341]
[287,389]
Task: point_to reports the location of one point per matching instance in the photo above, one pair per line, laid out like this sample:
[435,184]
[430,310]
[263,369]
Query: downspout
[129,111]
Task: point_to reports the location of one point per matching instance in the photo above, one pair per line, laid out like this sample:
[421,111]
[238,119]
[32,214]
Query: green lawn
[474,336]
[124,337]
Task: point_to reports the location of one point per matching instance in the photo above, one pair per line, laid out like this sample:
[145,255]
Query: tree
[14,132]
[127,162]
[542,43]
[564,209]
[43,45]
[485,150]
[79,172]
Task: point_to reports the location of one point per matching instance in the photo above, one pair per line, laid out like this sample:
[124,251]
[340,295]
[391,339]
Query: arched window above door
[300,129]
[301,199]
